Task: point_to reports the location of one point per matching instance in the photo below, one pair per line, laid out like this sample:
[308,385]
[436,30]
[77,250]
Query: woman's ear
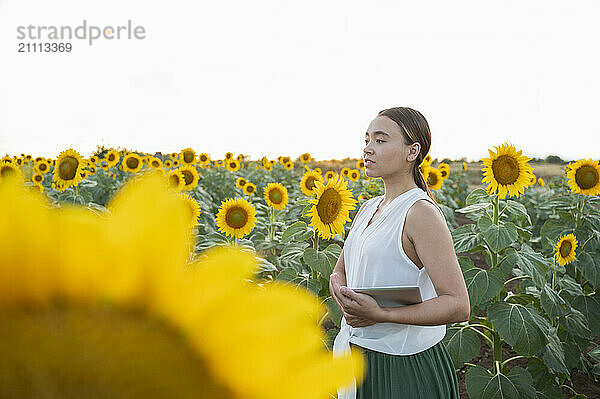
[413,152]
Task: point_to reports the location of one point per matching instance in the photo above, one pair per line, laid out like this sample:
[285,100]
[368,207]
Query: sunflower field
[258,240]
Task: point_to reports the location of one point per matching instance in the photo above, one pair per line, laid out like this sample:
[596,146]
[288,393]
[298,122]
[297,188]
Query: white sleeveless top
[374,257]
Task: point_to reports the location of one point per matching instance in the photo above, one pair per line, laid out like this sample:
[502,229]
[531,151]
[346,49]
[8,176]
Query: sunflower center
[329,206]
[101,353]
[250,189]
[565,249]
[68,168]
[132,162]
[155,164]
[506,170]
[586,177]
[188,156]
[6,171]
[188,177]
[111,157]
[432,179]
[310,183]
[275,196]
[444,173]
[236,217]
[203,158]
[232,164]
[174,181]
[42,167]
[38,178]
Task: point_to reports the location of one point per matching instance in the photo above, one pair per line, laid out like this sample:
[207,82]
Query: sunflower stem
[316,241]
[494,254]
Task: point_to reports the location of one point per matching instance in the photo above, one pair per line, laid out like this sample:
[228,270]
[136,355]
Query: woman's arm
[432,240]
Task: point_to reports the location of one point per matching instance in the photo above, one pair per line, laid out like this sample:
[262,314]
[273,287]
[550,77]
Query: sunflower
[176,163]
[318,170]
[329,174]
[344,172]
[112,158]
[138,319]
[19,161]
[174,155]
[155,163]
[434,178]
[175,180]
[354,174]
[240,157]
[67,172]
[8,170]
[285,160]
[506,171]
[584,177]
[360,164]
[305,158]
[464,166]
[541,182]
[307,182]
[203,158]
[6,159]
[240,182]
[93,159]
[132,163]
[168,163]
[188,156]
[276,196]
[268,168]
[41,167]
[37,178]
[232,165]
[331,207]
[249,188]
[236,217]
[565,249]
[229,155]
[190,175]
[427,160]
[193,207]
[288,165]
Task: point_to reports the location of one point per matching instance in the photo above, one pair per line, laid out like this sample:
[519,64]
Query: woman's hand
[360,310]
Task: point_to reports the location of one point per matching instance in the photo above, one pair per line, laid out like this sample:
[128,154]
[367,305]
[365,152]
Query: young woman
[399,238]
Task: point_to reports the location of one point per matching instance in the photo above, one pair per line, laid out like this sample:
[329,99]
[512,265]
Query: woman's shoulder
[425,214]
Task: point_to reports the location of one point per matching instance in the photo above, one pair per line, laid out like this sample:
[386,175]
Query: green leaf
[497,236]
[482,284]
[589,267]
[287,274]
[530,262]
[568,284]
[463,344]
[317,261]
[478,195]
[335,314]
[553,353]
[293,250]
[589,306]
[465,238]
[333,252]
[481,384]
[552,229]
[552,303]
[294,231]
[517,210]
[575,323]
[543,381]
[519,326]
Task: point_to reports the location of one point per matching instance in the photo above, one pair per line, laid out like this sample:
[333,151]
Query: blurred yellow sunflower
[132,163]
[360,164]
[67,172]
[276,196]
[307,182]
[168,163]
[565,249]
[176,163]
[188,156]
[236,217]
[318,170]
[193,207]
[354,175]
[344,172]
[541,182]
[174,156]
[112,158]
[155,163]
[288,165]
[203,158]
[232,165]
[507,171]
[305,158]
[240,182]
[190,176]
[249,188]
[331,207]
[285,160]
[584,177]
[37,178]
[464,166]
[175,180]
[533,180]
[329,174]
[41,167]
[228,155]
[427,160]
[93,159]
[433,178]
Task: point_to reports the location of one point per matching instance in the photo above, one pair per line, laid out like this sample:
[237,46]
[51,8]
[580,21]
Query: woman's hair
[416,130]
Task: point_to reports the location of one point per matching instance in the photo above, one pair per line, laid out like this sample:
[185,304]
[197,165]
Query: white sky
[280,78]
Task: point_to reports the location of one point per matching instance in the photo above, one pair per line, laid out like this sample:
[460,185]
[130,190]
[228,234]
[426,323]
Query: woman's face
[384,145]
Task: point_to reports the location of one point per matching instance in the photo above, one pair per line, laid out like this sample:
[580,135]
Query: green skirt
[428,374]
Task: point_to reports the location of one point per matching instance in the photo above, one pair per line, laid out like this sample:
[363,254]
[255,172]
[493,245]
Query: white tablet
[391,297]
